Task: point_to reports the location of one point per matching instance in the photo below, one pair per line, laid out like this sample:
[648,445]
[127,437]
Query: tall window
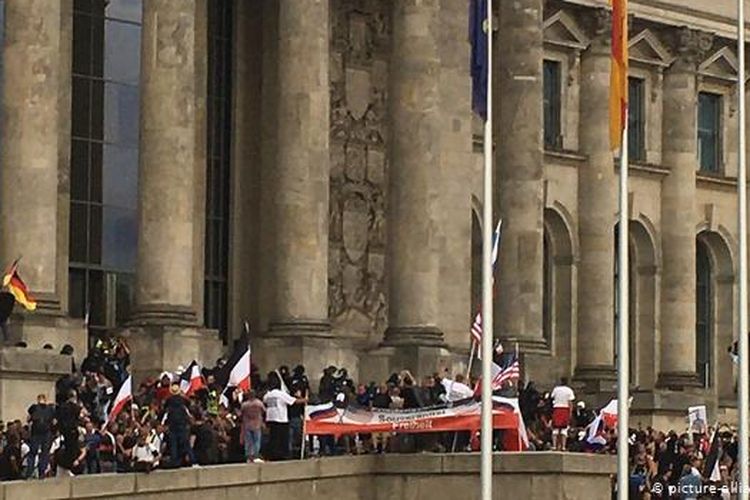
[552,135]
[709,131]
[703,314]
[104,160]
[636,119]
[218,164]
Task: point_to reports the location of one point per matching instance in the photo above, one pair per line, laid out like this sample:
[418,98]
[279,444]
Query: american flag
[508,370]
[476,326]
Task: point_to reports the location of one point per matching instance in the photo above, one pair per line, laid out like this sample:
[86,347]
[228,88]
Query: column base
[38,330]
[318,328]
[420,360]
[313,352]
[157,348]
[596,378]
[665,409]
[25,373]
[535,345]
[677,381]
[163,315]
[428,336]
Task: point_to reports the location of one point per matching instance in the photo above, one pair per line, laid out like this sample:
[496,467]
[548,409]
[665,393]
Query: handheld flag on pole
[236,371]
[12,280]
[123,395]
[191,379]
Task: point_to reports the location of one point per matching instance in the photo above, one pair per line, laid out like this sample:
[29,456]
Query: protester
[41,417]
[562,398]
[178,421]
[252,412]
[277,402]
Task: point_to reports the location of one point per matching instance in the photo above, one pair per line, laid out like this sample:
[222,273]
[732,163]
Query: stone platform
[547,475]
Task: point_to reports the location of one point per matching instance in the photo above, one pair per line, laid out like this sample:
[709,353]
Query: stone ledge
[541,471]
[32,362]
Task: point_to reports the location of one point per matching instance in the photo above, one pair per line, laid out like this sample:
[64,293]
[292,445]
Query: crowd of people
[163,427]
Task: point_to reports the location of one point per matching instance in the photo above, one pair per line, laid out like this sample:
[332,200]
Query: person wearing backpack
[42,418]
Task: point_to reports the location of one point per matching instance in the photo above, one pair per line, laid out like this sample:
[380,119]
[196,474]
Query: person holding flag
[277,402]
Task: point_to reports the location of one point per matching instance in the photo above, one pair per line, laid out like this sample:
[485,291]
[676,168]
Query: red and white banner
[460,416]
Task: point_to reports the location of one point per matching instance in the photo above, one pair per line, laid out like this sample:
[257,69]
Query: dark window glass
[636,119]
[703,314]
[79,171]
[709,132]
[78,232]
[77,292]
[104,155]
[552,136]
[218,164]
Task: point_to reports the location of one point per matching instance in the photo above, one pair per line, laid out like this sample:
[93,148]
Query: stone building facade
[174,168]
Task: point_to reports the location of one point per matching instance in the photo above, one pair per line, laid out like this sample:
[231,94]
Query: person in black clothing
[326,387]
[206,446]
[178,421]
[68,416]
[10,458]
[300,388]
[41,417]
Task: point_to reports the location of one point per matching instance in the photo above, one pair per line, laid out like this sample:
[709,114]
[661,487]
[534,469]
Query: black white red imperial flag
[191,380]
[236,371]
[123,395]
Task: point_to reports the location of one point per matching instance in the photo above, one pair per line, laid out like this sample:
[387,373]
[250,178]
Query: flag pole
[623,346]
[471,359]
[744,363]
[487,306]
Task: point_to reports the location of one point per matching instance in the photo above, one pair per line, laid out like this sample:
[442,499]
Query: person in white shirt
[144,455]
[562,398]
[277,404]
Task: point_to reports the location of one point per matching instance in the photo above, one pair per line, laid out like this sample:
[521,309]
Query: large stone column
[295,188]
[299,178]
[171,190]
[678,213]
[414,176]
[35,170]
[597,209]
[33,141]
[518,160]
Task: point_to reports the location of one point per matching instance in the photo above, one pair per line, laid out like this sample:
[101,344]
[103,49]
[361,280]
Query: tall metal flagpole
[744,364]
[487,309]
[623,346]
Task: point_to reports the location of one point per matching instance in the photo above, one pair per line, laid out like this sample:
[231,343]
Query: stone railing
[551,476]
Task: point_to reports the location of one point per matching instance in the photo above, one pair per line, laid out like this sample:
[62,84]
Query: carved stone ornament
[691,46]
[357,301]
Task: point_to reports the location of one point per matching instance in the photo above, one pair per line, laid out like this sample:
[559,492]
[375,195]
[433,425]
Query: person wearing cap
[177,417]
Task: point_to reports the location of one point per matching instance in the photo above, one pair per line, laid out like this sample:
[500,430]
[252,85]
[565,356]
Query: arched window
[703,314]
[631,303]
[548,291]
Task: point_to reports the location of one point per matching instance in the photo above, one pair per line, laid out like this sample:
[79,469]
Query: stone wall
[394,477]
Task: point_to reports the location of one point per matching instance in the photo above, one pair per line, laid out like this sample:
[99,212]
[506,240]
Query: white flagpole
[487,306]
[623,329]
[744,363]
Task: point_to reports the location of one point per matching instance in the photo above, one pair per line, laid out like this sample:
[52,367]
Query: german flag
[18,288]
[618,92]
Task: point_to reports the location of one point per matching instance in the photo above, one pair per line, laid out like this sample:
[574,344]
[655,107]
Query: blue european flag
[479,39]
